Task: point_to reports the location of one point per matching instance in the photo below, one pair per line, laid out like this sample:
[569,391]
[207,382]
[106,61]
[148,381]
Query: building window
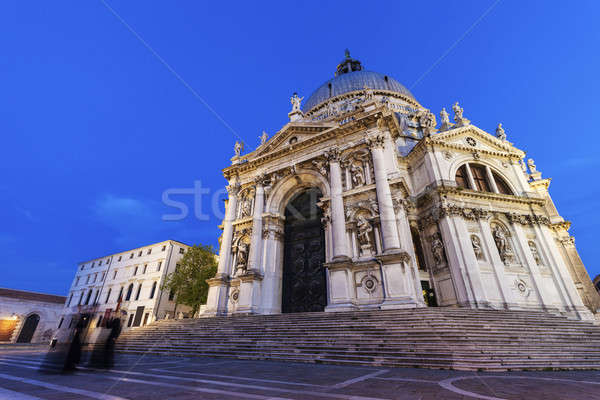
[96,297]
[93,264]
[129,290]
[99,323]
[480,179]
[77,281]
[94,278]
[108,295]
[171,295]
[131,256]
[87,298]
[135,271]
[153,290]
[137,294]
[69,302]
[159,265]
[87,279]
[120,258]
[149,251]
[501,184]
[461,177]
[103,276]
[81,269]
[100,263]
[114,274]
[120,297]
[164,248]
[145,267]
[81,297]
[61,322]
[130,320]
[181,250]
[140,253]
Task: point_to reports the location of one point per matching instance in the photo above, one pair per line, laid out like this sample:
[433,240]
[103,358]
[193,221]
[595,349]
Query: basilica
[364,201]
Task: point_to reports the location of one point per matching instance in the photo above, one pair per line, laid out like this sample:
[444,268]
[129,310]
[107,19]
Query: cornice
[473,194]
[438,141]
[361,122]
[358,93]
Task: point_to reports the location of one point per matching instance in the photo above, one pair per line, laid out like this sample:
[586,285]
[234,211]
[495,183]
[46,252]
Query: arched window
[501,184]
[108,295]
[462,179]
[120,297]
[129,290]
[153,290]
[477,177]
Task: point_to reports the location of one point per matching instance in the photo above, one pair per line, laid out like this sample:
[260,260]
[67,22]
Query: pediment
[471,138]
[290,134]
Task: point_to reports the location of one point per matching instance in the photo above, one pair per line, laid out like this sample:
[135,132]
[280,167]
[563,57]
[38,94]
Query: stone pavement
[173,378]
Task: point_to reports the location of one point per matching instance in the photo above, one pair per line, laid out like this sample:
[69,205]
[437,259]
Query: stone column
[407,245]
[462,262]
[225,250]
[534,269]
[389,231]
[216,302]
[502,280]
[338,219]
[257,224]
[563,280]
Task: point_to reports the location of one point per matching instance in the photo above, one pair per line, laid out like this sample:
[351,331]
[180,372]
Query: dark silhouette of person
[74,353]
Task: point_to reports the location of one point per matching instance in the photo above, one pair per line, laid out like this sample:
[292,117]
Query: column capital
[234,189]
[375,141]
[333,154]
[261,179]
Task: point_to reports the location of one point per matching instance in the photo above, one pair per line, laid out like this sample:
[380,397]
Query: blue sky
[95,128]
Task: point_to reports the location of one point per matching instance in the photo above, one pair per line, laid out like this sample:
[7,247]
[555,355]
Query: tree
[188,281]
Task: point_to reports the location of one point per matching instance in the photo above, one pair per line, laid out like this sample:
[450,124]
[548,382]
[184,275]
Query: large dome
[350,77]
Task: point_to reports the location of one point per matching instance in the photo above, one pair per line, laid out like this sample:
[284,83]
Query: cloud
[27,214]
[133,219]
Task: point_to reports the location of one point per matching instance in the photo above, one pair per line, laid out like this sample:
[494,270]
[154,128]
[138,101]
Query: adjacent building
[28,317]
[363,201]
[130,282]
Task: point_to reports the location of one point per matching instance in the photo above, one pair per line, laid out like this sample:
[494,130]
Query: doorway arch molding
[291,185]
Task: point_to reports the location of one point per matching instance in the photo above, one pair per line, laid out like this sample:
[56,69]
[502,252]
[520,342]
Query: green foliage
[188,281]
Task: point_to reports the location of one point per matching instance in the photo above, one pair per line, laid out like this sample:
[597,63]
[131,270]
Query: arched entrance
[29,327]
[304,287]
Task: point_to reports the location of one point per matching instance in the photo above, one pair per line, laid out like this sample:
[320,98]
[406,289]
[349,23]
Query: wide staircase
[461,339]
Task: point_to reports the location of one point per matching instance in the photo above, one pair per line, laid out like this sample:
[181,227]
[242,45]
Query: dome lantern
[348,64]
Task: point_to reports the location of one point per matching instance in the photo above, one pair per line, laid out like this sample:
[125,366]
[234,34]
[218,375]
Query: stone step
[431,338]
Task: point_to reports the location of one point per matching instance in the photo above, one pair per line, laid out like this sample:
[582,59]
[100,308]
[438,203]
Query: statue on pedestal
[364,235]
[295,100]
[263,138]
[500,134]
[238,147]
[458,115]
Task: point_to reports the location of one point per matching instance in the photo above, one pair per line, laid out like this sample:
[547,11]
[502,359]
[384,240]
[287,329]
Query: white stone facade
[28,317]
[407,208]
[134,276]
